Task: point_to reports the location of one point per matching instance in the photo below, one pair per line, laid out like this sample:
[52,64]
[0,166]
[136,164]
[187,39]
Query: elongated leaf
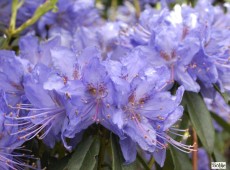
[2,42]
[85,155]
[168,161]
[218,156]
[201,119]
[132,166]
[221,122]
[116,155]
[180,160]
[59,164]
[224,95]
[117,158]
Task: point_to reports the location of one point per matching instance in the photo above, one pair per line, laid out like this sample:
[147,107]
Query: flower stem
[151,162]
[114,9]
[40,11]
[137,7]
[194,153]
[14,10]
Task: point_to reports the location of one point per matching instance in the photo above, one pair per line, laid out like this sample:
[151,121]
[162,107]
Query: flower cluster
[193,43]
[55,99]
[129,79]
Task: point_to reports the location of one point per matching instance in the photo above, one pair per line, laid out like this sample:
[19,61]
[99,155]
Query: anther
[68,96]
[158,127]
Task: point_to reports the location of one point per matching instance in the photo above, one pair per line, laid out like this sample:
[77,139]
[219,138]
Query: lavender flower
[146,122]
[203,160]
[92,98]
[35,52]
[191,65]
[11,73]
[46,110]
[91,71]
[71,14]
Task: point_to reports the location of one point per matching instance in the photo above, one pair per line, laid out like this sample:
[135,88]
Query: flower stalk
[151,162]
[194,153]
[137,7]
[14,9]
[40,11]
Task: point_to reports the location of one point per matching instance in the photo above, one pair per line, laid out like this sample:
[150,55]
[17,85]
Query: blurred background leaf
[85,155]
[201,119]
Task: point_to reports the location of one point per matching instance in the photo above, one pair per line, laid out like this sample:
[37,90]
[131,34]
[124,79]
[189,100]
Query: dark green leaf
[59,164]
[219,142]
[180,160]
[117,158]
[143,162]
[85,156]
[131,166]
[218,156]
[116,155]
[2,42]
[168,161]
[201,119]
[221,122]
[224,95]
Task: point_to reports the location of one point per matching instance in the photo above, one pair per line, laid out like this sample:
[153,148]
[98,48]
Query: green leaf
[2,42]
[180,160]
[168,161]
[224,95]
[85,156]
[218,156]
[116,155]
[142,161]
[221,122]
[201,120]
[59,164]
[117,158]
[131,166]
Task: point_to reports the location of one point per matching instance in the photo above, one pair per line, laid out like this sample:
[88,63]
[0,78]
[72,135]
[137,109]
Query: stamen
[179,146]
[18,159]
[180,130]
[28,128]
